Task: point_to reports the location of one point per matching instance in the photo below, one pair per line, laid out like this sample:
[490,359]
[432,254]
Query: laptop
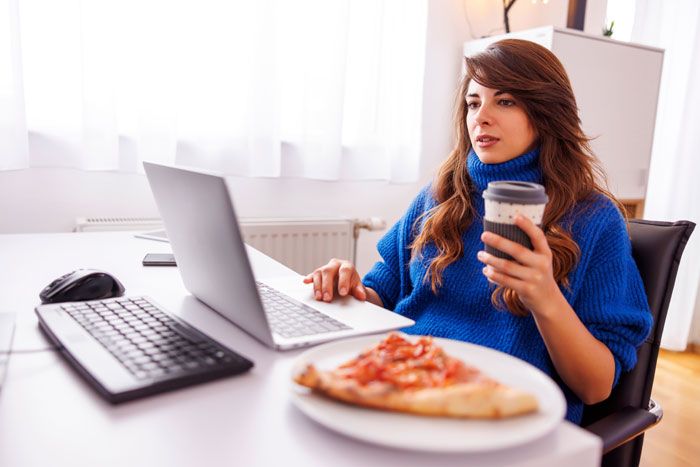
[279,310]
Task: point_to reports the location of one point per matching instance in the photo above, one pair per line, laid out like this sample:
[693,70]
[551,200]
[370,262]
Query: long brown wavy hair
[538,82]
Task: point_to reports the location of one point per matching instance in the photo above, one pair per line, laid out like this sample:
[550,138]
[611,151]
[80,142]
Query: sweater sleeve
[390,277]
[612,303]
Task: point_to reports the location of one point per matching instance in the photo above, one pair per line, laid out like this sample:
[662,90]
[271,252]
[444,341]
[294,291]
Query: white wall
[486,16]
[49,200]
[596,12]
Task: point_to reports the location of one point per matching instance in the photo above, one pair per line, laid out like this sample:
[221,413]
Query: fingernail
[481,255]
[343,291]
[318,295]
[326,296]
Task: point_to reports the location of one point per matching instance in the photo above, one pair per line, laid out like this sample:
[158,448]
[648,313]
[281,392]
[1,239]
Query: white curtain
[13,129]
[323,89]
[674,177]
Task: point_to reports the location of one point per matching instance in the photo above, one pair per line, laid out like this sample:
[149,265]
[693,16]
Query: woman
[574,306]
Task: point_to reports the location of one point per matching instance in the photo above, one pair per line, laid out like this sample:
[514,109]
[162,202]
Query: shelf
[634,207]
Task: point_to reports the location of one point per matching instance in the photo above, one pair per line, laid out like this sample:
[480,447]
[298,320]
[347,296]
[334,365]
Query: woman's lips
[486,142]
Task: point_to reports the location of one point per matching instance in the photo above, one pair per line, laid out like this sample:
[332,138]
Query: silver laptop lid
[201,224]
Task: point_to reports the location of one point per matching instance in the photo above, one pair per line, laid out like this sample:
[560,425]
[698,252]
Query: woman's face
[498,126]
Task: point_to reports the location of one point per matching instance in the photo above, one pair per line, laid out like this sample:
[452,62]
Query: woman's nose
[483,115]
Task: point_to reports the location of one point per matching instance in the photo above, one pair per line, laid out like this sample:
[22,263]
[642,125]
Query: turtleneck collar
[524,168]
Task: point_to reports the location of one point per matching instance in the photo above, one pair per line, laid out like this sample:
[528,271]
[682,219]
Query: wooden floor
[675,442]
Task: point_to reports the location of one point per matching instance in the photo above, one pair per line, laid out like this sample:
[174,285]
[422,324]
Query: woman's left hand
[531,276]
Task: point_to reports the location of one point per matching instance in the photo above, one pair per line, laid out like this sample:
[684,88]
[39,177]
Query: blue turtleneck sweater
[605,289]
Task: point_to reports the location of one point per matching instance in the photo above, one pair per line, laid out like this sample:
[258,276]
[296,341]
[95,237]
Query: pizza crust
[482,399]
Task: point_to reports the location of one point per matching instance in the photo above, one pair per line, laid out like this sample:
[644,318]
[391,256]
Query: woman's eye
[506,102]
[472,105]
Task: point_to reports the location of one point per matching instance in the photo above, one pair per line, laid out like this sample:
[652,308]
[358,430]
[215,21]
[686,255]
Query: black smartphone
[159,259]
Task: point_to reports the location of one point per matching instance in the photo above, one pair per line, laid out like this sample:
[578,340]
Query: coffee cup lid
[508,191]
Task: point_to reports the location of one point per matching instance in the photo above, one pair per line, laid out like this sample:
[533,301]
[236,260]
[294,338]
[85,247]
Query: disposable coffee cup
[503,201]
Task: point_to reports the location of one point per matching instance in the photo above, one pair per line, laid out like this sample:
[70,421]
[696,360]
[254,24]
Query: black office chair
[622,419]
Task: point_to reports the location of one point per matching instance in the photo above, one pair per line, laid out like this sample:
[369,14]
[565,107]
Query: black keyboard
[155,350]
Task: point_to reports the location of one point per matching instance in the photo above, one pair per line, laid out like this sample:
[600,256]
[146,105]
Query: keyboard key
[148,342]
[291,319]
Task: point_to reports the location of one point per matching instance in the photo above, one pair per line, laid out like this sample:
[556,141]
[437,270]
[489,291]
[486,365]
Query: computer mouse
[83,284]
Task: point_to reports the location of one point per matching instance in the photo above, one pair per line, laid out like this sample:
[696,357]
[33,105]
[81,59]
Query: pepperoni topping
[408,365]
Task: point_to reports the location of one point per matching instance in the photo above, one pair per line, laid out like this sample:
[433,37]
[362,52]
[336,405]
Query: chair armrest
[625,424]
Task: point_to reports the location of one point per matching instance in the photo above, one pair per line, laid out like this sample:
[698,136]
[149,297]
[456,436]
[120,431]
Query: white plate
[415,432]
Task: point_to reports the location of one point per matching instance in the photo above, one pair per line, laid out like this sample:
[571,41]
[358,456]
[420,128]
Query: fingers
[520,253]
[346,276]
[328,277]
[537,237]
[337,275]
[349,282]
[317,279]
[503,279]
[359,291]
[508,267]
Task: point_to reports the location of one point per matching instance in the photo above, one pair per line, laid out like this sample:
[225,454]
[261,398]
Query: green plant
[608,30]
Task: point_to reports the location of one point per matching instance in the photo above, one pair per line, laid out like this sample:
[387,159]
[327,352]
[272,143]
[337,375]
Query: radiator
[101,224]
[301,244]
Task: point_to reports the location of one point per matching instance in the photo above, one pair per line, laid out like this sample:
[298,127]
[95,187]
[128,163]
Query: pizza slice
[418,378]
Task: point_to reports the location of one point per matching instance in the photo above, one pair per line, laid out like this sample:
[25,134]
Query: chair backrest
[657,248]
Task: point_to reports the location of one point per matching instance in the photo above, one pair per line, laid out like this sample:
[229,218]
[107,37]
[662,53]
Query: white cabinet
[617,88]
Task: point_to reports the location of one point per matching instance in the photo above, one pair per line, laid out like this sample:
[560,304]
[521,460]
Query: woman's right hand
[337,276]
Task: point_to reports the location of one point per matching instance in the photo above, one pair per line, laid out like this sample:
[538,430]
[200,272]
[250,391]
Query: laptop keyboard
[290,318]
[149,342]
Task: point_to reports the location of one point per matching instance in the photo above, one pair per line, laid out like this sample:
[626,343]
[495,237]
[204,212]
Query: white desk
[49,416]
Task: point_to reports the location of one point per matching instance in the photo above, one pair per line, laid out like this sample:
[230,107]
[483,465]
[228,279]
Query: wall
[596,13]
[49,200]
[486,16]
